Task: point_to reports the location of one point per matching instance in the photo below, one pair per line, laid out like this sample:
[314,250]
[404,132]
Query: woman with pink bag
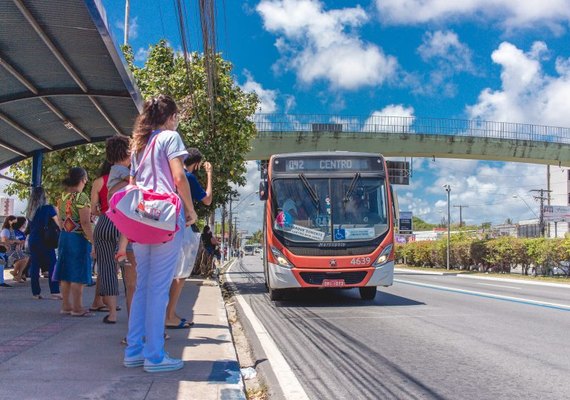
[157,164]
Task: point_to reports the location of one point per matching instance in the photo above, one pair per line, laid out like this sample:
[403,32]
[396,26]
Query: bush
[496,255]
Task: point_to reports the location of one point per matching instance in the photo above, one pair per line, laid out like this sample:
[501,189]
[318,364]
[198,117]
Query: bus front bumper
[284,278]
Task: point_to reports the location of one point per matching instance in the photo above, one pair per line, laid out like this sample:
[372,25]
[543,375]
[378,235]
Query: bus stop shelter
[63,81]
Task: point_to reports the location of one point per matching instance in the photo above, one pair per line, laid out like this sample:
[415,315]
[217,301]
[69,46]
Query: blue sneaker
[133,362]
[167,364]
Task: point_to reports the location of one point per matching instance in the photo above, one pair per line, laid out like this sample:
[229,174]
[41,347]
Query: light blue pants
[156,264]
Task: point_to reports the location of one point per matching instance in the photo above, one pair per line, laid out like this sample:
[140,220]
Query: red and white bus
[329,222]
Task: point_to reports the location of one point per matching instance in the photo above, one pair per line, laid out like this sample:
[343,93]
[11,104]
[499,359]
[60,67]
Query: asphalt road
[426,337]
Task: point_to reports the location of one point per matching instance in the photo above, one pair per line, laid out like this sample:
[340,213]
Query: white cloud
[394,118]
[141,55]
[446,46]
[448,57]
[486,189]
[323,45]
[266,96]
[133,27]
[527,93]
[290,103]
[249,215]
[510,13]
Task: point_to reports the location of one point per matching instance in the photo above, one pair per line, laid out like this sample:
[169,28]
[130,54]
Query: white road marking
[290,385]
[500,286]
[565,307]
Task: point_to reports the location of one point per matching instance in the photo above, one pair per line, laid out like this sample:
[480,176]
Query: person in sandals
[73,267]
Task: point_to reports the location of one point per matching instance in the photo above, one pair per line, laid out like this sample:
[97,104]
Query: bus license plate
[333,282]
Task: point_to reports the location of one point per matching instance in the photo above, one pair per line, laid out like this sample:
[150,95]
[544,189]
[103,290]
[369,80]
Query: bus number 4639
[360,261]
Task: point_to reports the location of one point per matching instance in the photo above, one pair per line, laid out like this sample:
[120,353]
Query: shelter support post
[37,162]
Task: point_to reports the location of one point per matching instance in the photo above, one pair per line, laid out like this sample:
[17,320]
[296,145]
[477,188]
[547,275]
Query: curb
[415,271]
[521,281]
[286,379]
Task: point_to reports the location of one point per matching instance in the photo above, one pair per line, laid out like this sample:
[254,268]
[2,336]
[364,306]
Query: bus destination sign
[298,165]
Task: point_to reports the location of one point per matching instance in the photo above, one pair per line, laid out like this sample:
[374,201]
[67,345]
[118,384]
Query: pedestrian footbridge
[411,137]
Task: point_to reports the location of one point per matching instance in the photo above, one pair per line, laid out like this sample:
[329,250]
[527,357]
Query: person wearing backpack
[157,164]
[43,224]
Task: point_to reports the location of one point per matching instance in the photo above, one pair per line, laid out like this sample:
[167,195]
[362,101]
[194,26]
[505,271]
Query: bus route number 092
[295,165]
[360,261]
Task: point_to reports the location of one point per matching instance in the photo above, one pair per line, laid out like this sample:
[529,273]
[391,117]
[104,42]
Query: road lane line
[290,385]
[499,286]
[562,307]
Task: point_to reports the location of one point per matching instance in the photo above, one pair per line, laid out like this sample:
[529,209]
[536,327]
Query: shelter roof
[63,81]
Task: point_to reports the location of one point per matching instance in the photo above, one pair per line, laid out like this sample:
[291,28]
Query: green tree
[420,225]
[224,139]
[257,237]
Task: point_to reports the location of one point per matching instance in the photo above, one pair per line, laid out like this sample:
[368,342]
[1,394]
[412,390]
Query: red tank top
[103,203]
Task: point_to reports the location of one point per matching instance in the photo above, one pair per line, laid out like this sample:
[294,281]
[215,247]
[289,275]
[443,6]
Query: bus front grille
[316,278]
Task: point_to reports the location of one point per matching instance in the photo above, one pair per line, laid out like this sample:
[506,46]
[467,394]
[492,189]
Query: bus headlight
[383,257]
[280,258]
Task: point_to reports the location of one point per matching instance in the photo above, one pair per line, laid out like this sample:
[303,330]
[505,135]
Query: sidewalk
[44,355]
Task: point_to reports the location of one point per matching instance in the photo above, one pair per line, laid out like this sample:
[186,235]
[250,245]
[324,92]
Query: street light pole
[448,190]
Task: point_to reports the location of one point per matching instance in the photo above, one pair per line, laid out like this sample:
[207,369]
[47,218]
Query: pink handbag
[145,216]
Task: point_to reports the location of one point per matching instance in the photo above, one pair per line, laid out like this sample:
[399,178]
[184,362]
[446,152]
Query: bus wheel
[367,292]
[276,294]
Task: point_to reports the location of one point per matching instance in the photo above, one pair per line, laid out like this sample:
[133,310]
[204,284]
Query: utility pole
[235,232]
[541,197]
[230,255]
[448,190]
[461,207]
[127,12]
[224,243]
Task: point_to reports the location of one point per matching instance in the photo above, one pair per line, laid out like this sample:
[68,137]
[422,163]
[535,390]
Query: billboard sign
[6,206]
[405,223]
[556,213]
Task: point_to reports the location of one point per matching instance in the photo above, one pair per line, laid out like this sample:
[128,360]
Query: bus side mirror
[263,190]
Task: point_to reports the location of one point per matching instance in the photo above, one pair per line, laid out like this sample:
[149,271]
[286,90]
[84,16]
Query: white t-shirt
[154,172]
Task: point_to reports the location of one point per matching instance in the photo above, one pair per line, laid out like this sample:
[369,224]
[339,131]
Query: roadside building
[529,228]
[560,196]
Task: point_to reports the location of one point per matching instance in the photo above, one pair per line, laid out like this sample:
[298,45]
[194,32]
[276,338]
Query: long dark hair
[6,224]
[156,112]
[20,222]
[37,199]
[74,177]
[105,169]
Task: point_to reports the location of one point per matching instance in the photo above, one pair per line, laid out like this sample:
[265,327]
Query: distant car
[561,269]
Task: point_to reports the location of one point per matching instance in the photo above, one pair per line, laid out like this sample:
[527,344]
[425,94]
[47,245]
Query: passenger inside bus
[359,209]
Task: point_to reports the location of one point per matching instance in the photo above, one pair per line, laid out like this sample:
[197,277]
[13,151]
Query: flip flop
[99,309]
[65,312]
[84,314]
[103,309]
[181,325]
[106,320]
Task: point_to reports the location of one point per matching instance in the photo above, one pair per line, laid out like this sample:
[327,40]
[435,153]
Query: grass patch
[550,279]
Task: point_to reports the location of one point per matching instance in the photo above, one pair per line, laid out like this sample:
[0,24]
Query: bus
[248,249]
[329,222]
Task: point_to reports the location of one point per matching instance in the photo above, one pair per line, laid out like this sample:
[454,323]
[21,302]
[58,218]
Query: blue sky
[499,60]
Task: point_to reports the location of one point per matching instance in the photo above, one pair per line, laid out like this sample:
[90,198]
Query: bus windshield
[330,209]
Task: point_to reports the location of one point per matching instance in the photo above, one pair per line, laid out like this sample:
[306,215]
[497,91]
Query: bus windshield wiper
[311,192]
[351,187]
